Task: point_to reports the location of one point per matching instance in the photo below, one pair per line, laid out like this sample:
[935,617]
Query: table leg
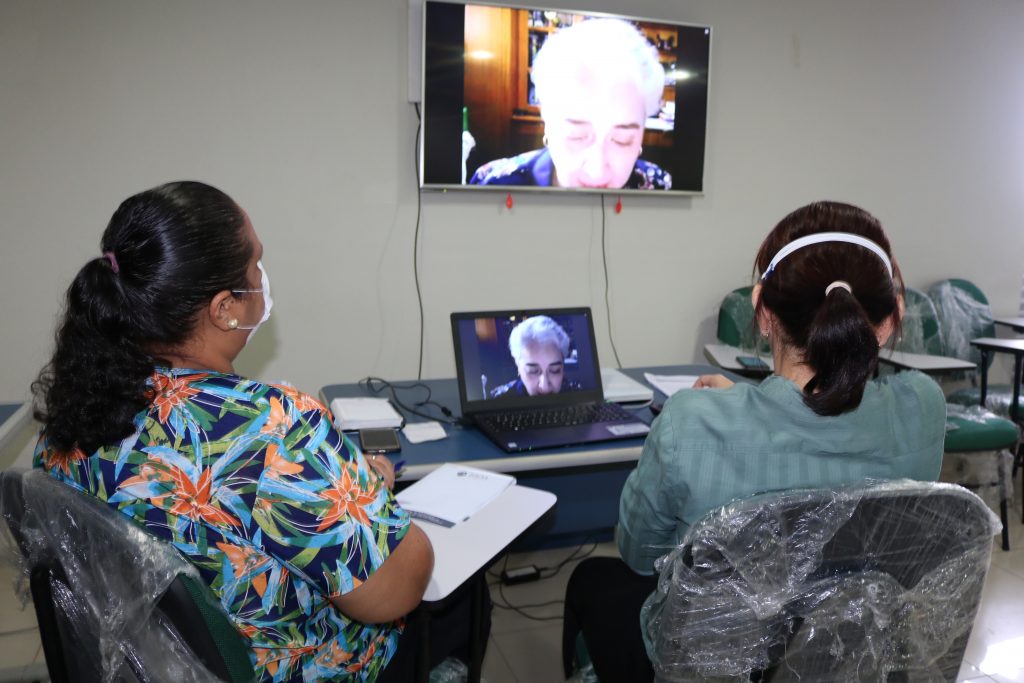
[984,376]
[476,647]
[1017,362]
[423,651]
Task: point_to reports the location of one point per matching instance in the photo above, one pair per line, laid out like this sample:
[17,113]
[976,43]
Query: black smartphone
[752,363]
[379,440]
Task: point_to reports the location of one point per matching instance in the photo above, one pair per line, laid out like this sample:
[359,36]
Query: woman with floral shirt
[296,533]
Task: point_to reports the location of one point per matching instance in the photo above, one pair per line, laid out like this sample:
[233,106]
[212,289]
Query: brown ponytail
[834,332]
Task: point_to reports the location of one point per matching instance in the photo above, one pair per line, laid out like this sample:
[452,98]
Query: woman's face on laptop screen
[541,368]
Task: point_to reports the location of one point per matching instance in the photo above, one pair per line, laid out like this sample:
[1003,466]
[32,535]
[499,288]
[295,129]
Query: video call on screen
[488,364]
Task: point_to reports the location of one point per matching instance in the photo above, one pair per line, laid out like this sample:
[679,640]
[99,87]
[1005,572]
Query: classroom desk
[925,362]
[724,356]
[1015,324]
[990,345]
[462,555]
[586,479]
[13,417]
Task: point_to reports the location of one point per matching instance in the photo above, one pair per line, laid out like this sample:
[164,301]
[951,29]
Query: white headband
[819,237]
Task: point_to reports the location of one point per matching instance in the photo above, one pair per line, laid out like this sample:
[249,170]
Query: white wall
[913,109]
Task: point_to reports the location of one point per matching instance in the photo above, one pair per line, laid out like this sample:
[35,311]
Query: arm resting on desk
[396,588]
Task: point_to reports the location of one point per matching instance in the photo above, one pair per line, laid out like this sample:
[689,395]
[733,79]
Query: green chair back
[736,321]
[964,314]
[920,328]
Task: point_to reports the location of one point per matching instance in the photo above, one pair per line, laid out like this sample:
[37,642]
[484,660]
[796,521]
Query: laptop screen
[508,359]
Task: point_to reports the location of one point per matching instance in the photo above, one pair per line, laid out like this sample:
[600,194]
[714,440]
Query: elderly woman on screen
[596,82]
[294,530]
[539,346]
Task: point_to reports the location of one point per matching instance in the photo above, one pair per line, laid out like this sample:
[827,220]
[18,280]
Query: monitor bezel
[445,187]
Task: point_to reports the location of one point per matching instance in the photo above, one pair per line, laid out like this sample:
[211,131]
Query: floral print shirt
[277,510]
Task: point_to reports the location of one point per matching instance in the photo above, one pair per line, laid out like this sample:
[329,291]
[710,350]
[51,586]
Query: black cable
[572,556]
[416,237]
[607,284]
[519,609]
[376,385]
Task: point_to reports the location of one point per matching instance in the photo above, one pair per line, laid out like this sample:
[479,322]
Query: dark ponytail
[165,253]
[834,332]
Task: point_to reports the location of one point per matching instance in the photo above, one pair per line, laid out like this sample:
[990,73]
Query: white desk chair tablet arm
[462,550]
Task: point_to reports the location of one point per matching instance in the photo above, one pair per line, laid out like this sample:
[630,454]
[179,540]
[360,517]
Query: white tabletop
[459,552]
[923,361]
[1015,346]
[1009,321]
[724,356]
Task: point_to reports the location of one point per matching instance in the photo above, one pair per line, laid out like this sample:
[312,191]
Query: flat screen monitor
[553,100]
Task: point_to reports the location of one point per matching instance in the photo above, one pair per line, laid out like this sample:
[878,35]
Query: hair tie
[841,284]
[818,238]
[109,255]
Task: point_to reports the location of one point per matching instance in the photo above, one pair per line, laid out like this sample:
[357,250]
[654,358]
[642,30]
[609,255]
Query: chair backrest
[736,320]
[964,314]
[920,331]
[877,582]
[113,602]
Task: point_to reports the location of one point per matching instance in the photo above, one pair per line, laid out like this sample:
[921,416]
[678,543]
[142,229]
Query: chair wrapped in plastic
[879,582]
[113,602]
[919,331]
[736,321]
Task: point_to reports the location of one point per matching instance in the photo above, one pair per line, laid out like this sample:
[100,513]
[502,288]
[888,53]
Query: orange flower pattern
[278,511]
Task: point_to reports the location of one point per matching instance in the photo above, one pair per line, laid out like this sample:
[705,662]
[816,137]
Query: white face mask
[268,302]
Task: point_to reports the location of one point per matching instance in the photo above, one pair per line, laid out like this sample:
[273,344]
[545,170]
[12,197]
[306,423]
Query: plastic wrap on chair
[998,398]
[988,473]
[115,573]
[738,312]
[919,331]
[962,319]
[839,585]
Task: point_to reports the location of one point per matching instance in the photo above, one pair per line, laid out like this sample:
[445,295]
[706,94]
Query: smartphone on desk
[752,363]
[379,440]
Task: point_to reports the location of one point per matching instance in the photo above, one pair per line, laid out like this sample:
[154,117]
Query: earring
[544,140]
[764,334]
[233,323]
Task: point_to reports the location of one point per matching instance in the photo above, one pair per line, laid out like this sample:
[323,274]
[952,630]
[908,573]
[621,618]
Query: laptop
[552,396]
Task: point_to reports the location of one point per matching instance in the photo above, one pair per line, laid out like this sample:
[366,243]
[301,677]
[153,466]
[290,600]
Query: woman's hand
[713,382]
[385,469]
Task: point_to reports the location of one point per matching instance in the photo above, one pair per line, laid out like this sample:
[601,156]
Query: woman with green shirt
[829,295]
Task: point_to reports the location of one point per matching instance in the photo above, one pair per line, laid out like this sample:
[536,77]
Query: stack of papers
[619,387]
[452,493]
[365,413]
[670,384]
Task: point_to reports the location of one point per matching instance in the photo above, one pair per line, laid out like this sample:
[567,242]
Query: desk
[13,417]
[724,356]
[1015,324]
[462,554]
[990,345]
[924,362]
[586,479]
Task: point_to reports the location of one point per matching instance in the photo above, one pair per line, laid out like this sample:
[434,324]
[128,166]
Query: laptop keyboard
[554,416]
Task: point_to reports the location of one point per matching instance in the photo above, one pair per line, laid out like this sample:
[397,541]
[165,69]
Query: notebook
[552,396]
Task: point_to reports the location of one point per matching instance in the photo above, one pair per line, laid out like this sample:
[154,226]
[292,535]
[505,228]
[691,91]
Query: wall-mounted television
[554,100]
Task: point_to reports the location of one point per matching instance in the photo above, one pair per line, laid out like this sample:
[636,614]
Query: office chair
[920,331]
[878,582]
[964,314]
[113,602]
[736,321]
